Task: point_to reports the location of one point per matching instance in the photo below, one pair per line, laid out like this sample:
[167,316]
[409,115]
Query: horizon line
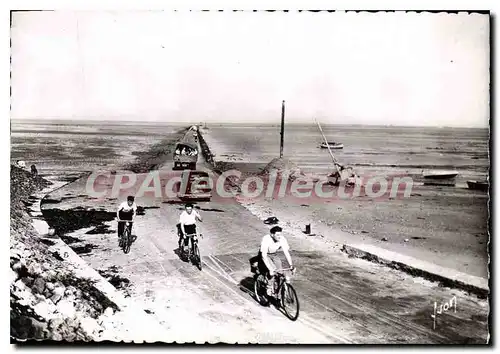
[163,122]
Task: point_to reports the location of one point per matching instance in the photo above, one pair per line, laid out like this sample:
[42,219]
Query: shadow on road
[246,285]
[212,209]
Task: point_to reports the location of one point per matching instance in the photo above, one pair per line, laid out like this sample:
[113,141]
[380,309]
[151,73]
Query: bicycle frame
[128,223]
[280,279]
[190,238]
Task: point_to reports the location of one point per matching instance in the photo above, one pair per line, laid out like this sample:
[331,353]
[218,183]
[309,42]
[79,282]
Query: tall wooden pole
[282,128]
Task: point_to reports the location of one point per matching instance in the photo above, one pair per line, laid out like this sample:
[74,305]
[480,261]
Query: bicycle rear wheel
[290,301]
[126,240]
[186,250]
[259,290]
[196,255]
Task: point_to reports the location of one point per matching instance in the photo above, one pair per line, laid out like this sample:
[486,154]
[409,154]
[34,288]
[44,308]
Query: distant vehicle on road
[198,186]
[185,155]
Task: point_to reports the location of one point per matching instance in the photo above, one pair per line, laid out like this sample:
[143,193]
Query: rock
[88,326]
[12,276]
[50,286]
[44,308]
[70,290]
[55,323]
[39,329]
[50,274]
[66,308]
[108,312]
[34,269]
[17,266]
[38,285]
[28,281]
[57,294]
[406,239]
[59,290]
[55,298]
[46,266]
[56,336]
[19,284]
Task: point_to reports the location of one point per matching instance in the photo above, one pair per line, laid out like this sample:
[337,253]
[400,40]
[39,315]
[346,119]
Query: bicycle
[126,238]
[192,253]
[283,292]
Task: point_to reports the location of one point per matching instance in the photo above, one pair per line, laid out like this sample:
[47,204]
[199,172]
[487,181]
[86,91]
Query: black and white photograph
[250,177]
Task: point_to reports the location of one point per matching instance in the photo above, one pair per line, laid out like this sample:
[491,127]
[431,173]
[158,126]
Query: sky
[345,68]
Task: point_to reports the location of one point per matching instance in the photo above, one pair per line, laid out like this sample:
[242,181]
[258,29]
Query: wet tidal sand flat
[444,225]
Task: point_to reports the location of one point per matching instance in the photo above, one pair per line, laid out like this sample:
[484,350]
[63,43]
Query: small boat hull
[478,185]
[435,176]
[332,146]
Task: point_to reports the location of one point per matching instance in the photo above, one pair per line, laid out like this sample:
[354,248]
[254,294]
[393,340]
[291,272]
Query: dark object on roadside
[384,238]
[34,171]
[308,229]
[271,220]
[254,264]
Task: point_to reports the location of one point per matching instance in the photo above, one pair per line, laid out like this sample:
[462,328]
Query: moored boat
[332,145]
[440,175]
[478,185]
[440,178]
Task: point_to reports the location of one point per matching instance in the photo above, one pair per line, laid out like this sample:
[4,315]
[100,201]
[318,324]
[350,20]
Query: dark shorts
[190,229]
[275,259]
[124,215]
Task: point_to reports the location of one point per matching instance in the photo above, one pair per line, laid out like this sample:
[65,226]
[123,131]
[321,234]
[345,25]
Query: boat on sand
[478,185]
[332,145]
[441,178]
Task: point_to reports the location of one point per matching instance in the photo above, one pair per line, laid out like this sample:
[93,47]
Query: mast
[335,162]
[282,127]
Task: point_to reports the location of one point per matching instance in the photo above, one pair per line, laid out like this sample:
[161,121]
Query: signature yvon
[444,307]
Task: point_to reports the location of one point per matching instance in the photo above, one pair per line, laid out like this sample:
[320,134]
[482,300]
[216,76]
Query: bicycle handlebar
[284,269]
[192,235]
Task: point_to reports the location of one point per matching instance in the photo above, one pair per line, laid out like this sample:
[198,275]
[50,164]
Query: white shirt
[126,208]
[268,245]
[188,219]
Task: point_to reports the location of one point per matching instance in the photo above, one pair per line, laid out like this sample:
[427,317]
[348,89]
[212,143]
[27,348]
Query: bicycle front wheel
[197,256]
[290,301]
[126,240]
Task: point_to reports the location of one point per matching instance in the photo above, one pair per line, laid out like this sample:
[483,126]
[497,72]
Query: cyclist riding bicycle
[126,212]
[268,259]
[187,222]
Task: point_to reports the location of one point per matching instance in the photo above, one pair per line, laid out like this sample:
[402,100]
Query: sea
[369,149]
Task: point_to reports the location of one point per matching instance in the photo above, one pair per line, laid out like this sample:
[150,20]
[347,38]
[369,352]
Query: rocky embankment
[47,300]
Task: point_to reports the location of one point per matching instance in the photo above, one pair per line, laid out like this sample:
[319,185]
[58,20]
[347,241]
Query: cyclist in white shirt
[126,211]
[187,222]
[269,261]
